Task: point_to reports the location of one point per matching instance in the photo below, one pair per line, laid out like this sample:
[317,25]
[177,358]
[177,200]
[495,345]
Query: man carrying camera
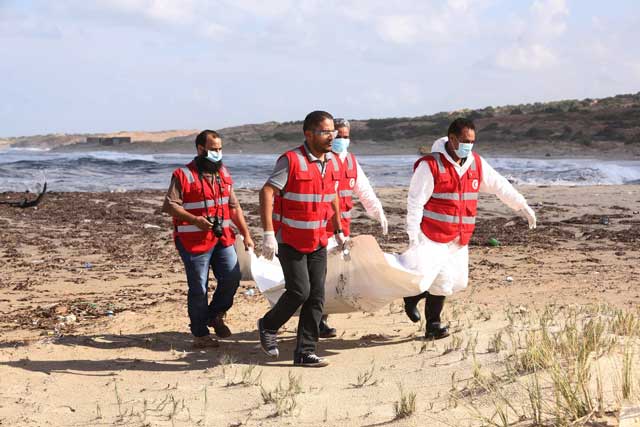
[203,205]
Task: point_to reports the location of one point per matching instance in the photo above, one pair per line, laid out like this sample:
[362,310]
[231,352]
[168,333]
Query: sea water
[24,170]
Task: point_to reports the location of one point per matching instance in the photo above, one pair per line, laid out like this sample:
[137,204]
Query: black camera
[217,225]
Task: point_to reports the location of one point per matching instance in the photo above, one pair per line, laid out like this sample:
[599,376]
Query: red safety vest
[451,210]
[303,207]
[348,178]
[193,238]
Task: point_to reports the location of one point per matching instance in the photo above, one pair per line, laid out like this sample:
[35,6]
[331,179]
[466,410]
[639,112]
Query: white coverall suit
[363,190]
[445,266]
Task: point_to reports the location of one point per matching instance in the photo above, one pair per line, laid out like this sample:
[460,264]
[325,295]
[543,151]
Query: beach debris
[87,265]
[151,226]
[509,279]
[109,313]
[71,318]
[25,203]
[250,292]
[492,241]
[604,220]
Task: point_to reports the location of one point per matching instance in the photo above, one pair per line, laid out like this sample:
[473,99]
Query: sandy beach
[94,328]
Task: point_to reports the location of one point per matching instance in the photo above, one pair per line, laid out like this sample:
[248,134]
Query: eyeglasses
[333,133]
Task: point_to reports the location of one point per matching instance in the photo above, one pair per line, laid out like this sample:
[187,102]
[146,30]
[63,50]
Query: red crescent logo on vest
[474,184]
[352,182]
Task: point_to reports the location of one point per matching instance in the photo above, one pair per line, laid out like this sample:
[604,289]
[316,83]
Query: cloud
[399,29]
[548,18]
[451,22]
[531,57]
[165,11]
[534,35]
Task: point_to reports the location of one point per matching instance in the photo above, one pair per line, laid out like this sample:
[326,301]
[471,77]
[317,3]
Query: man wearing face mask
[441,216]
[296,202]
[203,205]
[353,181]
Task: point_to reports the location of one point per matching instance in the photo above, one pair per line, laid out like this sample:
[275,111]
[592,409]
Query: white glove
[530,216]
[384,223]
[341,239]
[269,245]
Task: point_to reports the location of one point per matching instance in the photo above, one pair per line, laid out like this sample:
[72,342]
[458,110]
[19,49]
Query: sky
[85,66]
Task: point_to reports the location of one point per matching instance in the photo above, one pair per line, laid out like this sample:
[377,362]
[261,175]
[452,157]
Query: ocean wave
[110,171]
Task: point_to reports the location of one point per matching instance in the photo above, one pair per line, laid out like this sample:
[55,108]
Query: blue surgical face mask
[340,144]
[214,156]
[464,149]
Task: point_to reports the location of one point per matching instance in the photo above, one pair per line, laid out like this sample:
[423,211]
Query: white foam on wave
[24,149]
[568,171]
[116,156]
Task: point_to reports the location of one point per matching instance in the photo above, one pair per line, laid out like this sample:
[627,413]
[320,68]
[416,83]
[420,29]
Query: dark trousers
[304,276]
[226,269]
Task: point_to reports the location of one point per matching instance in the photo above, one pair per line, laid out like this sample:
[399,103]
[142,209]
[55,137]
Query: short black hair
[314,118]
[458,124]
[201,139]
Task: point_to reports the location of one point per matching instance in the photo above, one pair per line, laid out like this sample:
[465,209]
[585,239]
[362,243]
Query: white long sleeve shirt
[364,191]
[421,187]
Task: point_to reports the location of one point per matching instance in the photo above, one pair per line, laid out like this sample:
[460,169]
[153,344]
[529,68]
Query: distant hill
[589,127]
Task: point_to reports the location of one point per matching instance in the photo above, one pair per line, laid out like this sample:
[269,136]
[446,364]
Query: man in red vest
[441,216]
[296,203]
[203,205]
[353,182]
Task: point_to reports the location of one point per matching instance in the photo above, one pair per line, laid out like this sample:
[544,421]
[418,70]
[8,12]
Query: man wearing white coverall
[353,182]
[441,211]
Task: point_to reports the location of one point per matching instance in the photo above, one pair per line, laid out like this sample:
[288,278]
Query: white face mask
[340,145]
[464,149]
[214,156]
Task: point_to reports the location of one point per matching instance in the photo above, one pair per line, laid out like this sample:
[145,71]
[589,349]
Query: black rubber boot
[411,306]
[432,310]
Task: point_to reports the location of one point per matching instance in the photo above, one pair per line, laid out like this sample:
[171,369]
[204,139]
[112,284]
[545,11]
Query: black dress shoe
[436,331]
[411,307]
[326,331]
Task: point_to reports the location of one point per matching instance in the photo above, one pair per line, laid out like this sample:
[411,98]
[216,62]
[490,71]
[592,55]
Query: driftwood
[26,203]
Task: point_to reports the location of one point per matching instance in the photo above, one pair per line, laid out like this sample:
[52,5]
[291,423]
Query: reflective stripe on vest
[441,168]
[317,198]
[346,193]
[349,162]
[303,225]
[187,173]
[345,214]
[301,162]
[448,218]
[195,229]
[336,165]
[200,205]
[455,196]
